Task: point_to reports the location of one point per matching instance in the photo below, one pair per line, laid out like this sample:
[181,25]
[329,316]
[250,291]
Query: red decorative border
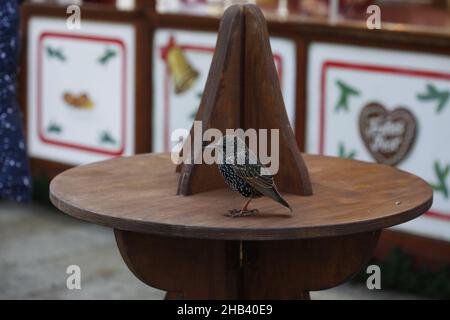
[41,134]
[278,60]
[392,70]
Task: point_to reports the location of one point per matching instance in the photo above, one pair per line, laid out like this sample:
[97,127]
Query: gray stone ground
[37,243]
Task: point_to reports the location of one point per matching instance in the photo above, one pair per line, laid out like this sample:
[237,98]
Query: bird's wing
[249,168]
[252,175]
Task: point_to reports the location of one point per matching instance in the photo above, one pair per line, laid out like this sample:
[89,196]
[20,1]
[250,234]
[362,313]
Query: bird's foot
[236,213]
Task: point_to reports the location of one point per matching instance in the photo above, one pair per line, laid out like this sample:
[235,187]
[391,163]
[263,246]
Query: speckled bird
[243,173]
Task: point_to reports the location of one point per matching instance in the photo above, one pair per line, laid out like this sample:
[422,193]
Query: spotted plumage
[244,173]
[236,183]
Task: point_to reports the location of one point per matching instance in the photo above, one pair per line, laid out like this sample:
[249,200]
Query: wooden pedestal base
[186,246]
[232,269]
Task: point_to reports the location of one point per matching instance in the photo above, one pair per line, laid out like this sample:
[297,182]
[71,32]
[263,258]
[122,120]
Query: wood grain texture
[221,100]
[187,269]
[264,106]
[139,194]
[214,269]
[243,91]
[289,269]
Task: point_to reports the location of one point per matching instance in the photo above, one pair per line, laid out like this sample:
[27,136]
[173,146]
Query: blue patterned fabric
[15,183]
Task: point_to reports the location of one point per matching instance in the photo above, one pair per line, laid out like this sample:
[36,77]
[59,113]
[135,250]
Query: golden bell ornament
[184,75]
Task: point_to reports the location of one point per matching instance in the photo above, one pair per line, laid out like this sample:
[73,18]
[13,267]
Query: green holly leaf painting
[343,153]
[346,91]
[433,94]
[441,173]
[107,55]
[194,113]
[106,137]
[54,128]
[55,54]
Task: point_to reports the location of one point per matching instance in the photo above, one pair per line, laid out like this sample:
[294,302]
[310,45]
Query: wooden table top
[139,194]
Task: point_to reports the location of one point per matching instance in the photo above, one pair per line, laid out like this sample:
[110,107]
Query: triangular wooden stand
[243,91]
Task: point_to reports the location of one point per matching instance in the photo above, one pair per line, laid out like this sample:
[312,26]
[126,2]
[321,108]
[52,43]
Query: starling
[243,172]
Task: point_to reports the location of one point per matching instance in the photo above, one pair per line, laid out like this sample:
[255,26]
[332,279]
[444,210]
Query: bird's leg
[246,205]
[243,212]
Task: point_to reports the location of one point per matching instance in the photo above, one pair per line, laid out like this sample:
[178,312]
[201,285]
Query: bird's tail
[278,198]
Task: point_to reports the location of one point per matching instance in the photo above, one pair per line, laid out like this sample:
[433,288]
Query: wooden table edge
[212,233]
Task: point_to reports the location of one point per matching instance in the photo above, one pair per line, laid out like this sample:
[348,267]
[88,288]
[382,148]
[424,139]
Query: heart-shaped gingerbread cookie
[388,135]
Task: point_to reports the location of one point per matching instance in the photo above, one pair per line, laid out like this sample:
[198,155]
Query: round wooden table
[186,246]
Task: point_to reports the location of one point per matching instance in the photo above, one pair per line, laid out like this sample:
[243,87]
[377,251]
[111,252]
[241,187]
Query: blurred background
[83,81]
